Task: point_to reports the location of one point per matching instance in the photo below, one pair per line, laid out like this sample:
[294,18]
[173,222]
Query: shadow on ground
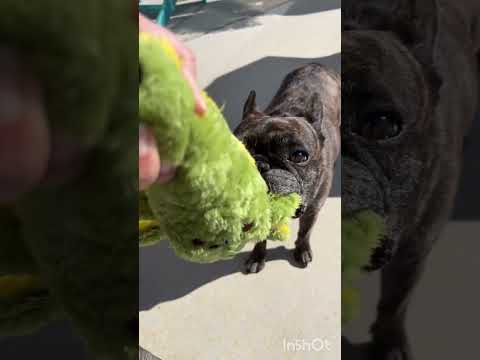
[57,339]
[237,14]
[222,15]
[304,7]
[165,277]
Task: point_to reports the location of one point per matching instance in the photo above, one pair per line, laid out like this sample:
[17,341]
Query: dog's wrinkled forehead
[377,14]
[376,66]
[282,130]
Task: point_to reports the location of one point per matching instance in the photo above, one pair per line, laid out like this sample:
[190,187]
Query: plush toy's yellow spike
[13,286]
[283,230]
[146,225]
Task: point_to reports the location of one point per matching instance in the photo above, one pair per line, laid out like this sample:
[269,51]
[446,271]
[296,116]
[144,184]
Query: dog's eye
[298,156]
[379,126]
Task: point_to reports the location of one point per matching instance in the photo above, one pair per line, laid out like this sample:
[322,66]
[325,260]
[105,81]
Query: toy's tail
[283,209]
[361,234]
[149,227]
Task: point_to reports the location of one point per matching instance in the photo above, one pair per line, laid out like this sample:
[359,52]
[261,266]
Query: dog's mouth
[284,182]
[381,255]
[300,211]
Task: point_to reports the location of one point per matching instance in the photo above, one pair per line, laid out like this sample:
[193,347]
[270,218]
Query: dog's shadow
[165,277]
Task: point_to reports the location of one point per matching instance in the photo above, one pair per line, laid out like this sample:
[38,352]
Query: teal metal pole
[166,11]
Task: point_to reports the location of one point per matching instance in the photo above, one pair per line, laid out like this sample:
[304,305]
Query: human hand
[188,61]
[24,134]
[151,169]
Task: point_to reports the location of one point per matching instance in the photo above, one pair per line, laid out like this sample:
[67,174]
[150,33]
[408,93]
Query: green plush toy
[218,201]
[361,234]
[66,246]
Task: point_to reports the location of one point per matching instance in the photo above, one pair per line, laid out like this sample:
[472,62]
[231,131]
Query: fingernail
[200,108]
[200,103]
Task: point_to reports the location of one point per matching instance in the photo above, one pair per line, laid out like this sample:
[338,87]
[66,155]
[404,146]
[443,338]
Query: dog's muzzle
[282,182]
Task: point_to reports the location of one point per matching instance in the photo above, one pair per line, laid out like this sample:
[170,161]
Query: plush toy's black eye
[246,227]
[226,242]
[298,156]
[379,126]
[198,242]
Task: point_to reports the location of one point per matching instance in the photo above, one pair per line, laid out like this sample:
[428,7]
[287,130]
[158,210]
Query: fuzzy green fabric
[361,233]
[67,250]
[218,201]
[25,303]
[25,300]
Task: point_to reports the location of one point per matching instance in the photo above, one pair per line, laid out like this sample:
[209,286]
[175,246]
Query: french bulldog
[409,92]
[295,142]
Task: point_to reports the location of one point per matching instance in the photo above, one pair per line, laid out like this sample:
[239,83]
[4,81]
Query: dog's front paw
[256,261]
[303,254]
[254,264]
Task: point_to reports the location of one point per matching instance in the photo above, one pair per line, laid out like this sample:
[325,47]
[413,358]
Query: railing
[162,10]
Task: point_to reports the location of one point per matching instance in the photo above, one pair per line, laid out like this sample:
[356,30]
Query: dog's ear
[421,16]
[250,108]
[415,22]
[417,26]
[313,111]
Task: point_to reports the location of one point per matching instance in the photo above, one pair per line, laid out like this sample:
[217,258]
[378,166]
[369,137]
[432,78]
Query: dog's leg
[303,252]
[256,261]
[389,340]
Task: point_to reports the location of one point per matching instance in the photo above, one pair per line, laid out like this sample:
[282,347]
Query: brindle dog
[295,142]
[409,91]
